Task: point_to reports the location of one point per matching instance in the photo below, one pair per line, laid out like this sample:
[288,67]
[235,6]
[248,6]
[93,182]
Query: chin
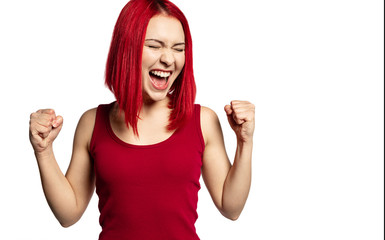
[155,97]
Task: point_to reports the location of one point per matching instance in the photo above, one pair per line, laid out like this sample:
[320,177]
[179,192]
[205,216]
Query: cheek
[180,61]
[148,59]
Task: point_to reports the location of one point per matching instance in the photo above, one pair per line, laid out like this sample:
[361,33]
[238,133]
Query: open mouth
[159,79]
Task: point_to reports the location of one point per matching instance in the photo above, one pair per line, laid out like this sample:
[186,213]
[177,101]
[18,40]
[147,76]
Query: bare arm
[67,195]
[228,184]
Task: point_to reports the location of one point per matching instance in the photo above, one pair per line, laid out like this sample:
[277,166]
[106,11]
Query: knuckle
[34,115]
[48,110]
[32,126]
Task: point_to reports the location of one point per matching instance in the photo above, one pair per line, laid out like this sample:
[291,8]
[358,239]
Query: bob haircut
[123,74]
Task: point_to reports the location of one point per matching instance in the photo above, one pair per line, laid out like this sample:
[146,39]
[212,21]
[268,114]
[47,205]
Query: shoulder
[209,123]
[207,115]
[88,117]
[85,126]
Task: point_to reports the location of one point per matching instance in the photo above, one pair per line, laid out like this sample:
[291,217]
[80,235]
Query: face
[163,56]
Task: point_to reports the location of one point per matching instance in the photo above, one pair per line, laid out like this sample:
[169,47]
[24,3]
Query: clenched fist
[241,118]
[44,126]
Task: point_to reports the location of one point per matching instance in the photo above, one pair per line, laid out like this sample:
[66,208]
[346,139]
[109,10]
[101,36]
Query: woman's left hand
[241,119]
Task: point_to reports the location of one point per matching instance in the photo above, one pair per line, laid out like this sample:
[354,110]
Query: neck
[150,106]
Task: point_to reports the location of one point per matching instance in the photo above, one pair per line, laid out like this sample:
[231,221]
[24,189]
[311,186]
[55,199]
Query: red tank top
[147,192]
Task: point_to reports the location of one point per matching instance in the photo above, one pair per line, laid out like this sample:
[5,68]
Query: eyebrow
[162,43]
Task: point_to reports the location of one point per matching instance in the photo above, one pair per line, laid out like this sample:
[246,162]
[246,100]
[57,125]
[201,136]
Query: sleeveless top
[151,191]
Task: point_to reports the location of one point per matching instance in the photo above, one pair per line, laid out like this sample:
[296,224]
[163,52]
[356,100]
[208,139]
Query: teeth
[161,74]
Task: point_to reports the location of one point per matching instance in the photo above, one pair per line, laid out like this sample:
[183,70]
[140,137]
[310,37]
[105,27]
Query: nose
[167,58]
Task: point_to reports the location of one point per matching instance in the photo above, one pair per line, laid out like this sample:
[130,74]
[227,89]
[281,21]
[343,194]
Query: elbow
[66,224]
[231,216]
[68,219]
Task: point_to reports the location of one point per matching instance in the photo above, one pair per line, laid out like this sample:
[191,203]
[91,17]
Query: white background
[314,70]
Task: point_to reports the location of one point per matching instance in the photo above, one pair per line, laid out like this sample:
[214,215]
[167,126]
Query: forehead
[165,28]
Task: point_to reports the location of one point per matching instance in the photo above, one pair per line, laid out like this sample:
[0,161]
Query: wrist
[243,141]
[244,151]
[44,154]
[242,144]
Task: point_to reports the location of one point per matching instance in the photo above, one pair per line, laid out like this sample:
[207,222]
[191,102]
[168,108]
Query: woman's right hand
[44,126]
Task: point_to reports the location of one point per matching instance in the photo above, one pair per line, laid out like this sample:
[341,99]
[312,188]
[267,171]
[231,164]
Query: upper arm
[216,164]
[80,173]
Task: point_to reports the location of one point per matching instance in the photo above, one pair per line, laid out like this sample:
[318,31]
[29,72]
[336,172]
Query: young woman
[145,152]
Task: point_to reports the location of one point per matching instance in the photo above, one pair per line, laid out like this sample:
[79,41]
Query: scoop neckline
[126,144]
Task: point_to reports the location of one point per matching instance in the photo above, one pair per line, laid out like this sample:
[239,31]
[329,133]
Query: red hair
[124,63]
